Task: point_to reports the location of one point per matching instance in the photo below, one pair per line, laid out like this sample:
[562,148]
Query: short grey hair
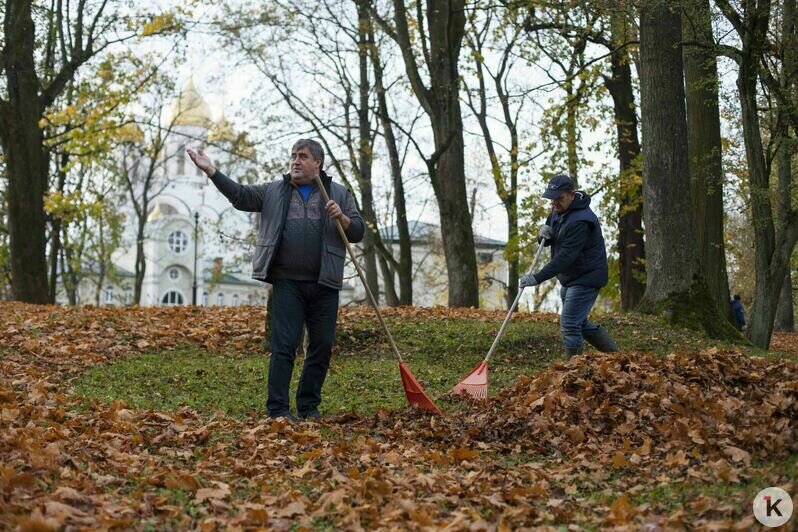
[313,147]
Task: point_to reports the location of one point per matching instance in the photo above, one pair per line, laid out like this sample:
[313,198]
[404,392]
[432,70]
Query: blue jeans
[576,304]
[297,303]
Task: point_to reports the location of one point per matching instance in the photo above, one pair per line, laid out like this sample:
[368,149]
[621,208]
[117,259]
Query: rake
[413,390]
[475,383]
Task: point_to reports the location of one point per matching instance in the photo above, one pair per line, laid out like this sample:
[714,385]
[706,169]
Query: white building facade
[196,246]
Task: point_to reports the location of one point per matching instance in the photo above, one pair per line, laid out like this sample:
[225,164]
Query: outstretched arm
[243,197]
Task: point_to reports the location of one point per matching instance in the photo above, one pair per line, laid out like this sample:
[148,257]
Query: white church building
[193,235]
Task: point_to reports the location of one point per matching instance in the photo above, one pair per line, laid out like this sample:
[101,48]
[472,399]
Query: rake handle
[515,304]
[360,273]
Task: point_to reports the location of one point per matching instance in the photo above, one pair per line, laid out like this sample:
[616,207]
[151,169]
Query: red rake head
[475,383]
[414,392]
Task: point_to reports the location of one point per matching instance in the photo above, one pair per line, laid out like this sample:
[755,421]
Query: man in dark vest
[300,252]
[579,261]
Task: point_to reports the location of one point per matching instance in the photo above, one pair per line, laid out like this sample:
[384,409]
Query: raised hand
[202,161]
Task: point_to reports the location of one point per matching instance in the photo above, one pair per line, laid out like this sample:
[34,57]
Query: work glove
[546,232]
[526,281]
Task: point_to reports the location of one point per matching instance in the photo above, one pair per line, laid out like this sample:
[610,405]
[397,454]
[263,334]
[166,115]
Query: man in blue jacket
[300,252]
[579,260]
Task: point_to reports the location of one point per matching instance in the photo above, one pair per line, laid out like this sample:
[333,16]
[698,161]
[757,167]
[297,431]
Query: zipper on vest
[305,230]
[325,218]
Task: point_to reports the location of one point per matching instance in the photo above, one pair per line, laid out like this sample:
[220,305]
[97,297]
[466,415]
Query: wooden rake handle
[515,303]
[360,272]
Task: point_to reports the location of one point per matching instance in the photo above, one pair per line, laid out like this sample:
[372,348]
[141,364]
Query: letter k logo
[774,507]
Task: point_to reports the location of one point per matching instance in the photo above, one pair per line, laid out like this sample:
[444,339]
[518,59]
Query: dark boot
[572,351]
[288,416]
[313,415]
[601,340]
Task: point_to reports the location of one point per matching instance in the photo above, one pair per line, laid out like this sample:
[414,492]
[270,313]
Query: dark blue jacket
[578,256]
[739,313]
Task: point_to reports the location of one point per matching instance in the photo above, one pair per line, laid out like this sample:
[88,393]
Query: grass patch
[676,495]
[364,374]
[206,382]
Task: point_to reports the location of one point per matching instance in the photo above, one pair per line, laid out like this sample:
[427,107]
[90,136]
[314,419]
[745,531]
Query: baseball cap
[557,185]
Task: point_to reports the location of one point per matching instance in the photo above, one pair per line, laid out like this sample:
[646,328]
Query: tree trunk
[441,102]
[446,21]
[70,276]
[705,149]
[770,262]
[763,311]
[141,261]
[99,287]
[456,232]
[405,263]
[57,227]
[364,154]
[26,158]
[389,285]
[631,246]
[785,318]
[675,284]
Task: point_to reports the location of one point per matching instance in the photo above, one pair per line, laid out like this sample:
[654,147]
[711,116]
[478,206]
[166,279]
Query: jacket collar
[581,201]
[325,179]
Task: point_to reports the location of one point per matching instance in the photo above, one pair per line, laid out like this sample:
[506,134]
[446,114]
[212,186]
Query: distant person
[579,261]
[300,252]
[739,312]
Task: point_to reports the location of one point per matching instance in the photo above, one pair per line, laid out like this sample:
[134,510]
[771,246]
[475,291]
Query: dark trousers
[577,301]
[297,303]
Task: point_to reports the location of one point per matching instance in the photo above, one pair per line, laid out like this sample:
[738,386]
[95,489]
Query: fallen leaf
[461,453]
[204,494]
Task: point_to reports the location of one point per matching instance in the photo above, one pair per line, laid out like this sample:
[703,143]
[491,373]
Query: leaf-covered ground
[673,432]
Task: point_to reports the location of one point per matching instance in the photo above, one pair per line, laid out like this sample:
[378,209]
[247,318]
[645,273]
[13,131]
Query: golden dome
[190,109]
[222,131]
[160,210]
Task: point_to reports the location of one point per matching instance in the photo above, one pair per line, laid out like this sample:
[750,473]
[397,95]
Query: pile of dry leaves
[574,444]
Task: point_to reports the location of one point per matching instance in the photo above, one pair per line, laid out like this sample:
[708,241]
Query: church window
[178,242]
[172,298]
[181,159]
